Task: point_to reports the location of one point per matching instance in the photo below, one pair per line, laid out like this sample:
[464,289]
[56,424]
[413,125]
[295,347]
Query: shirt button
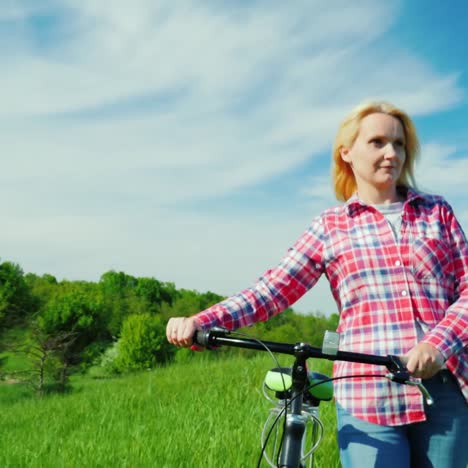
[404,293]
[397,263]
[317,266]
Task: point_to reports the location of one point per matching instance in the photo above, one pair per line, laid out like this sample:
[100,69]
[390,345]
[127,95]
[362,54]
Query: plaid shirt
[382,286]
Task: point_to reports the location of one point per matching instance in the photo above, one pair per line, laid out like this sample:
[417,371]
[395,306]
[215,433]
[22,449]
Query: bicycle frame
[294,429]
[295,426]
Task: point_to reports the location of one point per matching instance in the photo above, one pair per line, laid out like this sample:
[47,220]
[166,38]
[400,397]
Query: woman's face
[378,154]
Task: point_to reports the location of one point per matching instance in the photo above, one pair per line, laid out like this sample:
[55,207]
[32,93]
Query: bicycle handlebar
[398,372]
[220,337]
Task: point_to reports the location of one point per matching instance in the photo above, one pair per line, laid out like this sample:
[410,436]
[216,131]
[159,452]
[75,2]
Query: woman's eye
[376,142]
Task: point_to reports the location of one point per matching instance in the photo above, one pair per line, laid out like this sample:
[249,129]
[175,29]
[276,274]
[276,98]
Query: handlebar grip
[207,338]
[201,338]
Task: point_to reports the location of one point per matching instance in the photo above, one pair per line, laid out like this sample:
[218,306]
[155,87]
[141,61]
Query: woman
[397,263]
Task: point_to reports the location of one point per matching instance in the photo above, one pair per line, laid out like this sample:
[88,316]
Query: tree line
[114,325]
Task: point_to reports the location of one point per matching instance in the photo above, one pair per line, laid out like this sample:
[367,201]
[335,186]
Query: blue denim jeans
[439,442]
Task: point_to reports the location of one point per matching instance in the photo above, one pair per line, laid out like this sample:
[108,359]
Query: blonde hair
[343,177]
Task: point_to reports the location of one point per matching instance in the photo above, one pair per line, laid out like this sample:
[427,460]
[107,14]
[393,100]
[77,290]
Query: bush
[142,343]
[106,364]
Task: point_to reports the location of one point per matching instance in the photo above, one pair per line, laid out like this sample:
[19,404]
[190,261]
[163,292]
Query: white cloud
[440,168]
[443,169]
[148,104]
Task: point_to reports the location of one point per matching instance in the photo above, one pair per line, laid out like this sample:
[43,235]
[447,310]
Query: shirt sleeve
[276,290]
[450,336]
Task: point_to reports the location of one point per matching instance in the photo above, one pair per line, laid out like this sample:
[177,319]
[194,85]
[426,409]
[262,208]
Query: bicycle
[298,392]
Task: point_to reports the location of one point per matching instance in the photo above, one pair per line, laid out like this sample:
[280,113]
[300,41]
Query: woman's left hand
[423,361]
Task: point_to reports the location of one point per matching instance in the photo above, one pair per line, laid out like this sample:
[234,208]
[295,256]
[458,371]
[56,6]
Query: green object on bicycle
[324,387]
[279,380]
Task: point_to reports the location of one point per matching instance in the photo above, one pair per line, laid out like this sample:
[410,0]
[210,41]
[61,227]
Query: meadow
[201,413]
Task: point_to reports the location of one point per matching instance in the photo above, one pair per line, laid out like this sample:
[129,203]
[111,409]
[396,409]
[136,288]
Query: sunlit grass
[200,413]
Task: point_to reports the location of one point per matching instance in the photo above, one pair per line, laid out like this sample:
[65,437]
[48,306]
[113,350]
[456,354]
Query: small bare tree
[46,352]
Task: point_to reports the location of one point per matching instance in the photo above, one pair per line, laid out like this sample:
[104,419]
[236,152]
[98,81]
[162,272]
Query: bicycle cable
[309,387]
[284,411]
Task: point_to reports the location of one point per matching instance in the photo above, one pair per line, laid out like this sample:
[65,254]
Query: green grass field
[203,413]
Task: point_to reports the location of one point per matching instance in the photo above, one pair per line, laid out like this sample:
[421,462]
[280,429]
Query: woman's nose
[390,151]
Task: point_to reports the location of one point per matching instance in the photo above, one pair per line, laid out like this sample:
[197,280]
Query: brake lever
[400,374]
[400,379]
[427,396]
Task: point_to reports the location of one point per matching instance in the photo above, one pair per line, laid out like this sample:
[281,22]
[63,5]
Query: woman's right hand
[423,361]
[180,330]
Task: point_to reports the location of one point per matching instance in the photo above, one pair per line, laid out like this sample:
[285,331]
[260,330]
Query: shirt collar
[354,204]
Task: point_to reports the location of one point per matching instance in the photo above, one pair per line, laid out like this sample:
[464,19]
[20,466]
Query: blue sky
[190,141]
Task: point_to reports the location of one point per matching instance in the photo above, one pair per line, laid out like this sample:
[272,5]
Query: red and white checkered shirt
[382,287]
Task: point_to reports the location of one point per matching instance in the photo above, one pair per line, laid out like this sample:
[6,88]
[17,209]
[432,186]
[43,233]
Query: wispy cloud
[111,115]
[443,167]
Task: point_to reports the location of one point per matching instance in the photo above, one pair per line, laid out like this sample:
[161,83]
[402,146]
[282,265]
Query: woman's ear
[344,153]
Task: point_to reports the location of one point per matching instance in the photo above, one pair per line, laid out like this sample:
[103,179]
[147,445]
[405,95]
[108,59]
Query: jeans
[439,442]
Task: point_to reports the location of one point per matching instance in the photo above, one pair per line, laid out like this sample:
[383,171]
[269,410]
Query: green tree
[188,302]
[142,343]
[76,308]
[149,290]
[42,288]
[117,283]
[333,322]
[208,299]
[45,352]
[169,293]
[155,293]
[16,301]
[120,299]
